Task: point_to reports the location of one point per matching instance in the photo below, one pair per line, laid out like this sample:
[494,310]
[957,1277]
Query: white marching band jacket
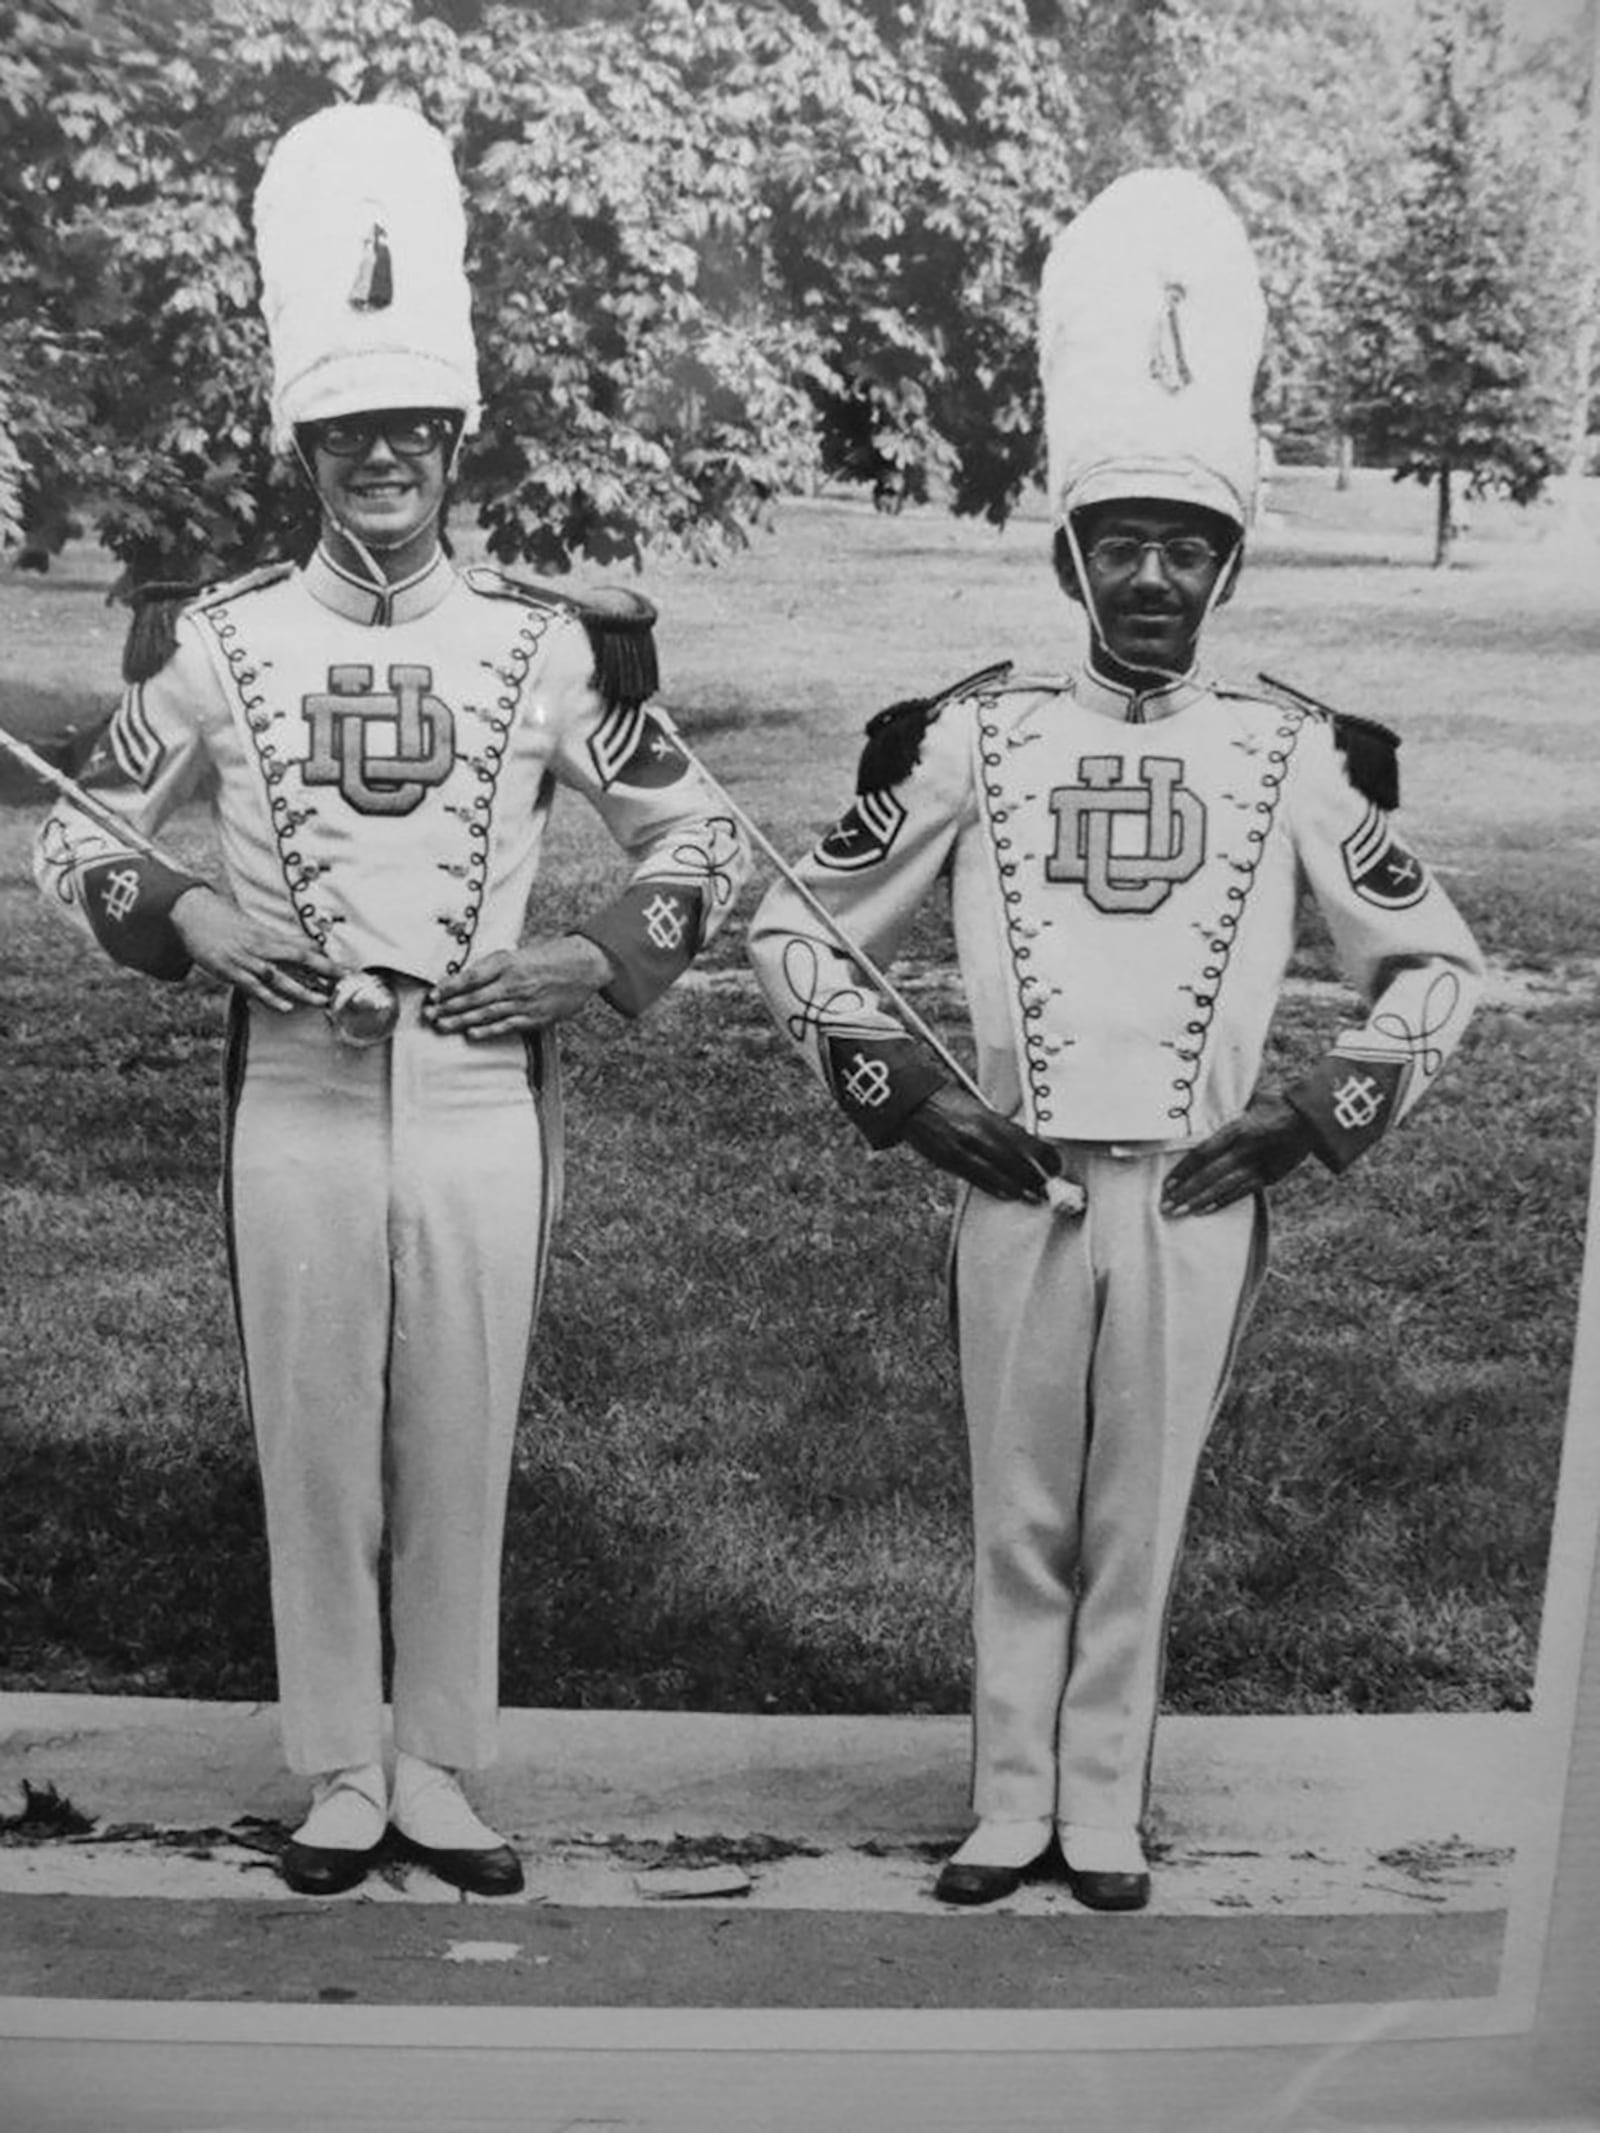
[1124,873]
[381,769]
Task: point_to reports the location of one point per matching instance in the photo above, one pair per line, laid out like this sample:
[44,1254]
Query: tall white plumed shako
[361,239]
[1151,324]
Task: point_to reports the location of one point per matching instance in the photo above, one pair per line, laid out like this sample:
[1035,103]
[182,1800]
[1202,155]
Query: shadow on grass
[133,1571]
[597,1611]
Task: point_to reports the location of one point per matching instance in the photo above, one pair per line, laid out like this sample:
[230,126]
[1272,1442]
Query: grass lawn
[740,1481]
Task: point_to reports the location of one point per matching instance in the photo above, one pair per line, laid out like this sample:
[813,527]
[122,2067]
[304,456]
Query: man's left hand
[519,989]
[1263,1144]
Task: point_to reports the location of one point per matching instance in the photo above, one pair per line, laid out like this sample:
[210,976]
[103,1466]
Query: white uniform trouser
[1094,1355]
[388,1213]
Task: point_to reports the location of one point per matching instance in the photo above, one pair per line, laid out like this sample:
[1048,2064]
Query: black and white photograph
[799,971]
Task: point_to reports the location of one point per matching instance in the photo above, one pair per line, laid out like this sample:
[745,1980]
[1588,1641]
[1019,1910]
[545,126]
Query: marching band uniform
[1123,865]
[281,706]
[380,761]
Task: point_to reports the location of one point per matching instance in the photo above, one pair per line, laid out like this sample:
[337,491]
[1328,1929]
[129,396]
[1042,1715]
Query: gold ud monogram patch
[1122,879]
[342,723]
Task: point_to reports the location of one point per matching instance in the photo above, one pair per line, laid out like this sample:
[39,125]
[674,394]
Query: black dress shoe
[323,1870]
[494,1870]
[1108,1891]
[965,1883]
[962,1881]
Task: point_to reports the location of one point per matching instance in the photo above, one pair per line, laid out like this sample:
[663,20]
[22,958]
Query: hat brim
[1166,481]
[371,383]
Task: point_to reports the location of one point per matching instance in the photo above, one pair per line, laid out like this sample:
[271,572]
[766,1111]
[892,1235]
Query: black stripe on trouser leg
[1255,1268]
[543,1065]
[235,1062]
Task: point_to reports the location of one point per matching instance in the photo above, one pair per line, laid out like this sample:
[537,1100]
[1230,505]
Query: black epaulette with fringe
[1370,749]
[895,734]
[153,631]
[620,625]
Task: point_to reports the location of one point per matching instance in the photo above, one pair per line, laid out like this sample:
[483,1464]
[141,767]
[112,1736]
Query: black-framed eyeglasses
[409,432]
[1119,555]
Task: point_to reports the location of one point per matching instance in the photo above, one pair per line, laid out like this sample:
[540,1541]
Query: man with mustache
[1124,849]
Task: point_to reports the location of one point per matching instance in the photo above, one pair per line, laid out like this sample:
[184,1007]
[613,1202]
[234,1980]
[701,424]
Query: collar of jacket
[359,600]
[1137,707]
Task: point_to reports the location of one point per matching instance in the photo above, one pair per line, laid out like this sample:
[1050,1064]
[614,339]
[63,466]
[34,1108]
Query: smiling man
[1125,847]
[380,478]
[379,738]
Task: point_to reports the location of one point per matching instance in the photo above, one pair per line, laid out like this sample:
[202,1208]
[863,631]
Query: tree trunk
[1345,460]
[1444,525]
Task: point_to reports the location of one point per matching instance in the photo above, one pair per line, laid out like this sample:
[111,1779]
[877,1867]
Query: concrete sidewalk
[1305,1816]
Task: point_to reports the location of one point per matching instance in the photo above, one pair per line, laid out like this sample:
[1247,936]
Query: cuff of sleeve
[878,1082]
[651,934]
[1347,1105]
[129,900]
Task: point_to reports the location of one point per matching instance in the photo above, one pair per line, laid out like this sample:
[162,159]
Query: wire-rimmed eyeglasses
[1183,555]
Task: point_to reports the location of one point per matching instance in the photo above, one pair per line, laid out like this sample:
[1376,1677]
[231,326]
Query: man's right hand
[249,953]
[961,1135]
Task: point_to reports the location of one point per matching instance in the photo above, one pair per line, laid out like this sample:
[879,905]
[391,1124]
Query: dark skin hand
[957,1133]
[1262,1145]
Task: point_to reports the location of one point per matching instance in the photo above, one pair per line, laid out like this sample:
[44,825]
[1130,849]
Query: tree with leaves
[723,249]
[720,248]
[1292,107]
[1450,335]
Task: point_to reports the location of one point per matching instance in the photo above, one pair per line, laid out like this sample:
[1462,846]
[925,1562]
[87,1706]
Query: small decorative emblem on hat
[374,285]
[1169,365]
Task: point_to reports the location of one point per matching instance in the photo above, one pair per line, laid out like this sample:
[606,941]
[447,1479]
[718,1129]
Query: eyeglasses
[1184,555]
[409,433]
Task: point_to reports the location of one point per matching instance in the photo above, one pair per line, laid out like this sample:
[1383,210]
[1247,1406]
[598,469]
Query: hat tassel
[374,289]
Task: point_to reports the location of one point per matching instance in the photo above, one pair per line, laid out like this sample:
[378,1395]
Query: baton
[99,814]
[1065,1197]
